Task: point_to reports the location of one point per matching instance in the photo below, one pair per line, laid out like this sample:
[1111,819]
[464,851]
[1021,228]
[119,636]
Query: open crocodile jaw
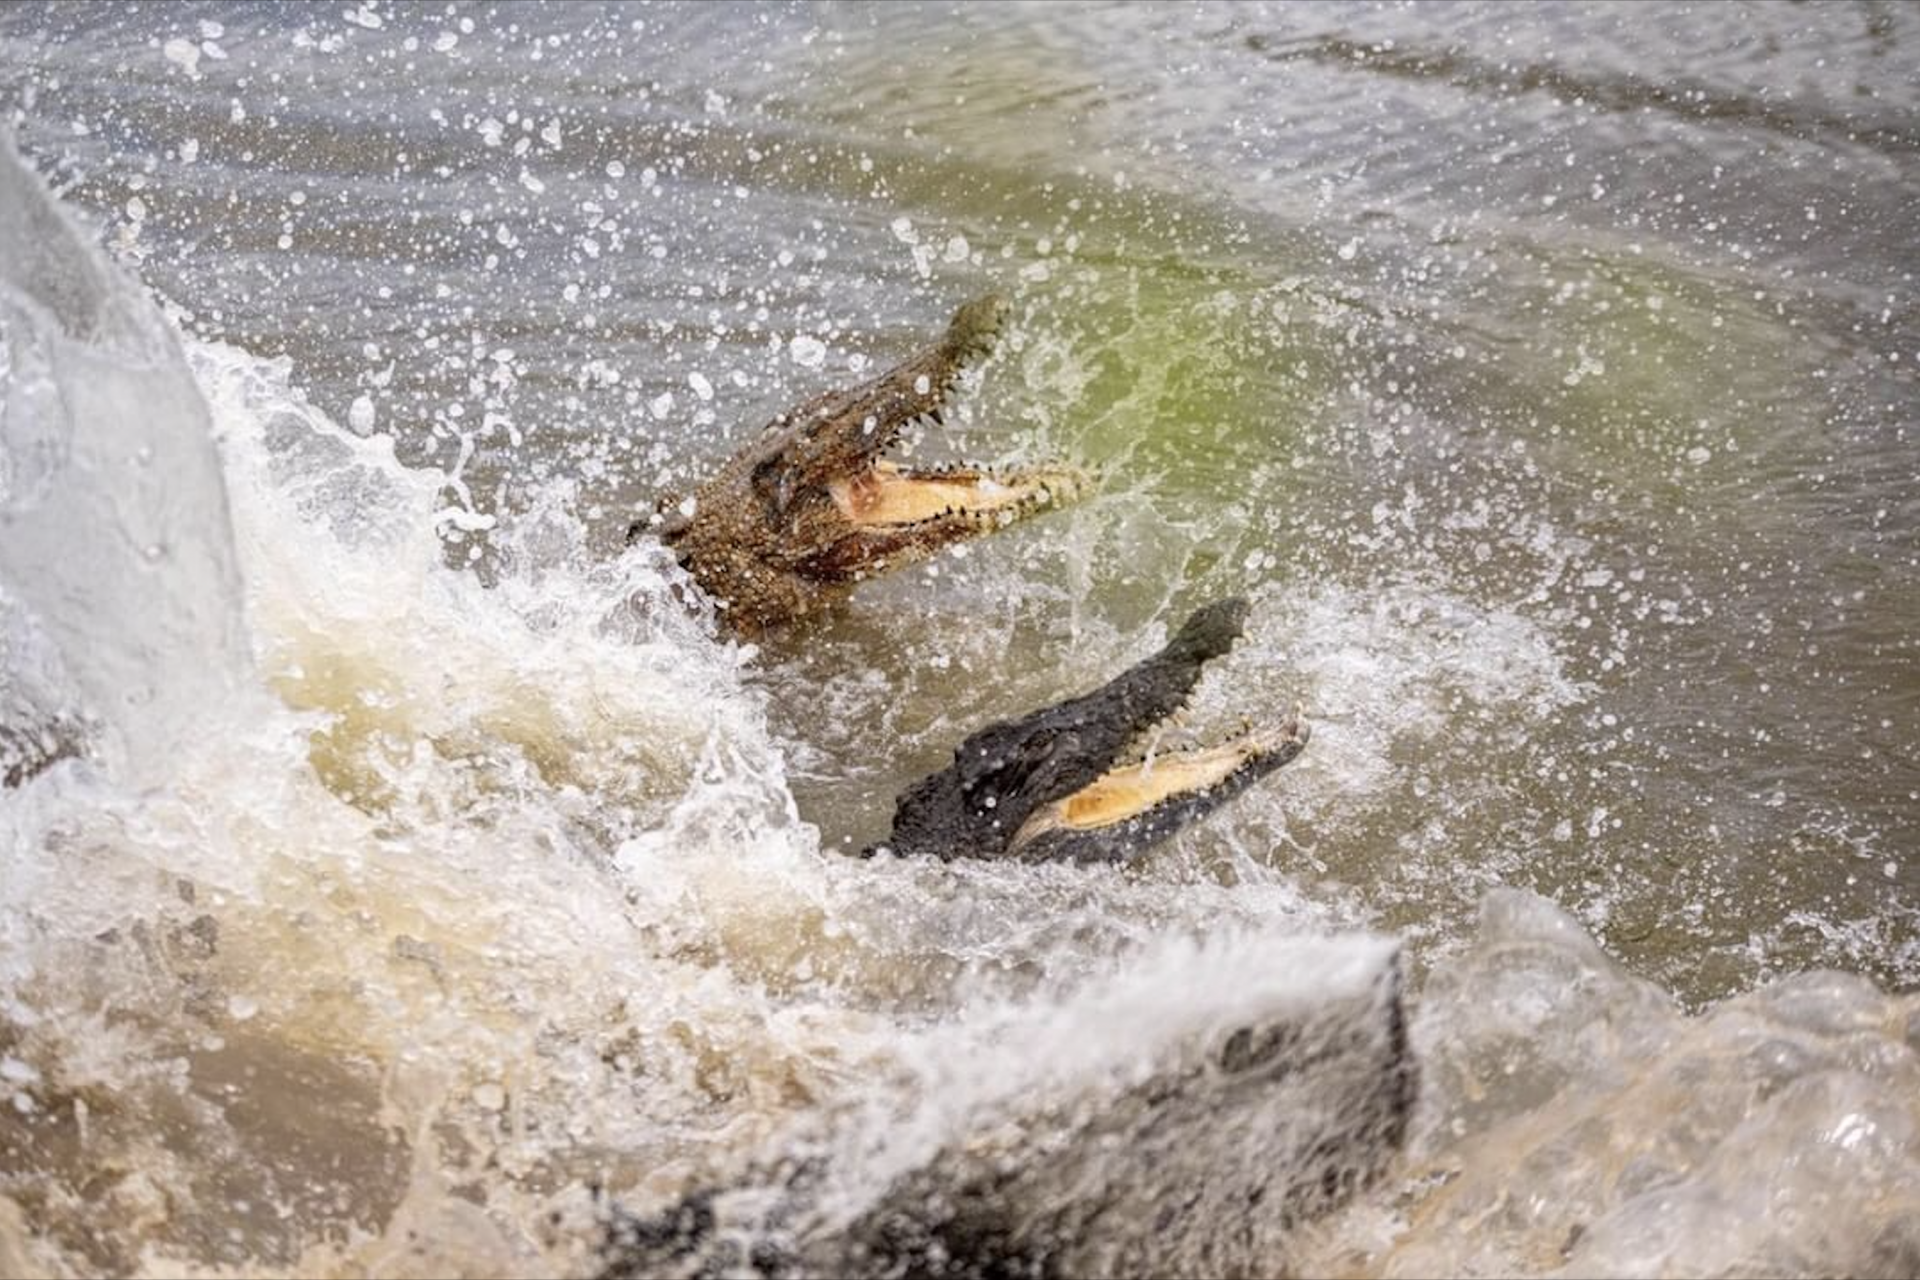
[812,505]
[1130,807]
[889,495]
[1054,784]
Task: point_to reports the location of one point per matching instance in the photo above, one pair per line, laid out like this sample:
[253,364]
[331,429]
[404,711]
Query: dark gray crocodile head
[813,505]
[1051,785]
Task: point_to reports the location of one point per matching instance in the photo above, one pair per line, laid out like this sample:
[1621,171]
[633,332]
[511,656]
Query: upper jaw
[840,448]
[839,435]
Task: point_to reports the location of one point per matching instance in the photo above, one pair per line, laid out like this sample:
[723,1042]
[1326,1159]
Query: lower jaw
[1225,771]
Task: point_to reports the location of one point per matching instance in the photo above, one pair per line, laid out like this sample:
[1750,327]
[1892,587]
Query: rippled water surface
[1545,376]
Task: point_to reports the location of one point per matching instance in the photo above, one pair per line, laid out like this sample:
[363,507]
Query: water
[1546,377]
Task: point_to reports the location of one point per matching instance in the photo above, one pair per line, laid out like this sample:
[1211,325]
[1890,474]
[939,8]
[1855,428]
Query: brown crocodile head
[813,505]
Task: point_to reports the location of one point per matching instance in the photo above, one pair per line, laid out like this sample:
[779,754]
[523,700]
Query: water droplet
[808,352]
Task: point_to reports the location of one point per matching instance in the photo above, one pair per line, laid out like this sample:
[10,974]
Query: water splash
[113,519]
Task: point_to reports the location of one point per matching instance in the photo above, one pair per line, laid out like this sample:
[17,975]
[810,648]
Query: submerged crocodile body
[1142,1133]
[29,749]
[1046,787]
[813,506]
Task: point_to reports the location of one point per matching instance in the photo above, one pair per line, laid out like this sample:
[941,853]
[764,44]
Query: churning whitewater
[400,874]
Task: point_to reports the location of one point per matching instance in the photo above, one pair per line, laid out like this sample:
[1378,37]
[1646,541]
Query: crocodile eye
[672,517]
[776,483]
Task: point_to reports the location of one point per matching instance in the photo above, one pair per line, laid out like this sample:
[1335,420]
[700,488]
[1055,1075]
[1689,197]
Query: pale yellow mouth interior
[1126,792]
[886,495]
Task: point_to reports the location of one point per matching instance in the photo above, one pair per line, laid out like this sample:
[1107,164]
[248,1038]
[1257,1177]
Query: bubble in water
[183,54]
[807,351]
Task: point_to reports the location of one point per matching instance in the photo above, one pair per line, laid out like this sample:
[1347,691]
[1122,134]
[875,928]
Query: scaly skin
[810,508]
[34,745]
[1209,1161]
[1045,787]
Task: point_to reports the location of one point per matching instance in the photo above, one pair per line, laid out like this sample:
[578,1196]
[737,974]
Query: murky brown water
[1546,376]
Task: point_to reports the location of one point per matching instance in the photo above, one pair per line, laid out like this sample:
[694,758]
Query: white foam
[1575,1121]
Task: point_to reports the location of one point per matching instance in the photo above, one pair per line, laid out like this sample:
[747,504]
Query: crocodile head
[814,505]
[1056,784]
